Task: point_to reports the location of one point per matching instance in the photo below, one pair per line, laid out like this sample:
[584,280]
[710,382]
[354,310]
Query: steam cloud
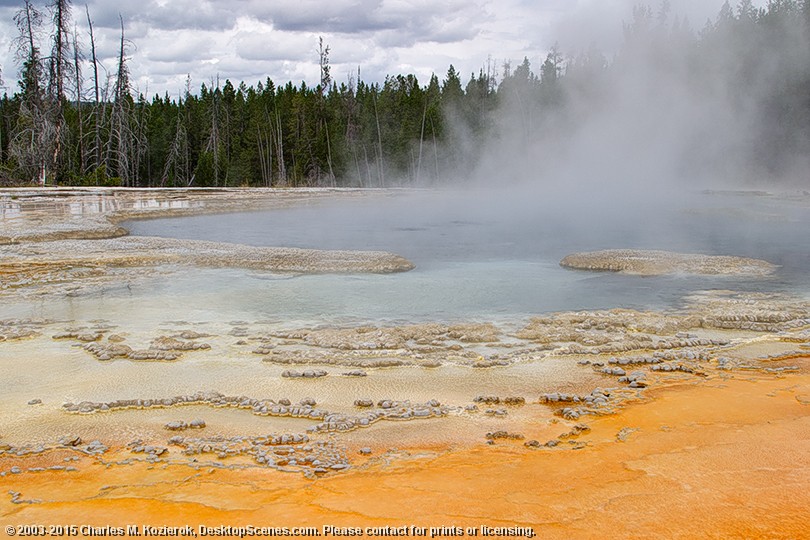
[670,107]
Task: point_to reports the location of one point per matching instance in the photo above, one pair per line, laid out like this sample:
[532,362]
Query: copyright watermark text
[252,531]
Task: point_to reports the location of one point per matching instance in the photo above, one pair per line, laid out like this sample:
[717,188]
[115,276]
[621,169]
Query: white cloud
[252,39]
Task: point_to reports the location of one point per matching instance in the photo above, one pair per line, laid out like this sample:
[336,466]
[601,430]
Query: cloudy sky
[249,40]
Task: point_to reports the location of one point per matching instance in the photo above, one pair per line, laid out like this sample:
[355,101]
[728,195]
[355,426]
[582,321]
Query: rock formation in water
[654,263]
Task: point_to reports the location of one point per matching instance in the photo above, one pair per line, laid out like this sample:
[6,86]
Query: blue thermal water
[488,256]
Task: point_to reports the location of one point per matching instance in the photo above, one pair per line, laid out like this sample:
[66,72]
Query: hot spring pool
[485,255]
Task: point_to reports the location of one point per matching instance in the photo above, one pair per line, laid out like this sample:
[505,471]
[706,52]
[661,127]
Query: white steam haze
[639,127]
[674,110]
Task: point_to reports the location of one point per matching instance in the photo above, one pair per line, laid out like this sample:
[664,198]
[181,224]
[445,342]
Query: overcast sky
[249,40]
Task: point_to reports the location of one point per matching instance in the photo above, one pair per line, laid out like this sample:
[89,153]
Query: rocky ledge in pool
[654,263]
[35,263]
[52,237]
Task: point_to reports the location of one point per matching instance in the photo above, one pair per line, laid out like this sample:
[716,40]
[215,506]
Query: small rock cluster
[575,431]
[787,355]
[162,348]
[264,407]
[108,351]
[635,379]
[668,368]
[500,434]
[169,343]
[328,422]
[16,496]
[782,369]
[495,400]
[78,335]
[537,444]
[93,448]
[14,329]
[179,425]
[152,452]
[620,344]
[386,410]
[590,404]
[306,374]
[635,360]
[411,336]
[559,397]
[287,452]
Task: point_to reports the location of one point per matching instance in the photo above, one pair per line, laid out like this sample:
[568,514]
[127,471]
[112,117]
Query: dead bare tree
[123,145]
[435,150]
[59,71]
[32,140]
[97,118]
[380,163]
[352,128]
[177,165]
[265,156]
[77,59]
[421,140]
[326,82]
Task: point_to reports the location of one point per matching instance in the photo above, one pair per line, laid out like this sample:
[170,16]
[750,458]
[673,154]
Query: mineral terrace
[688,420]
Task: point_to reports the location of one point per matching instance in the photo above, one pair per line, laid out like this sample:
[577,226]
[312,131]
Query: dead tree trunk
[60,68]
[379,143]
[98,113]
[31,143]
[79,97]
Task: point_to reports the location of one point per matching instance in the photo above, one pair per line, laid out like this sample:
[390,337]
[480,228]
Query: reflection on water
[13,206]
[152,204]
[9,209]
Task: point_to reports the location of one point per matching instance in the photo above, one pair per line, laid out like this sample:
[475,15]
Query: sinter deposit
[143,251]
[653,263]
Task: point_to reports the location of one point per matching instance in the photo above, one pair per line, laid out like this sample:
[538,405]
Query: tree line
[68,124]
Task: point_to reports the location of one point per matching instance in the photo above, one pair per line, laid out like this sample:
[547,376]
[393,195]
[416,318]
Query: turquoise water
[486,256]
[478,255]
